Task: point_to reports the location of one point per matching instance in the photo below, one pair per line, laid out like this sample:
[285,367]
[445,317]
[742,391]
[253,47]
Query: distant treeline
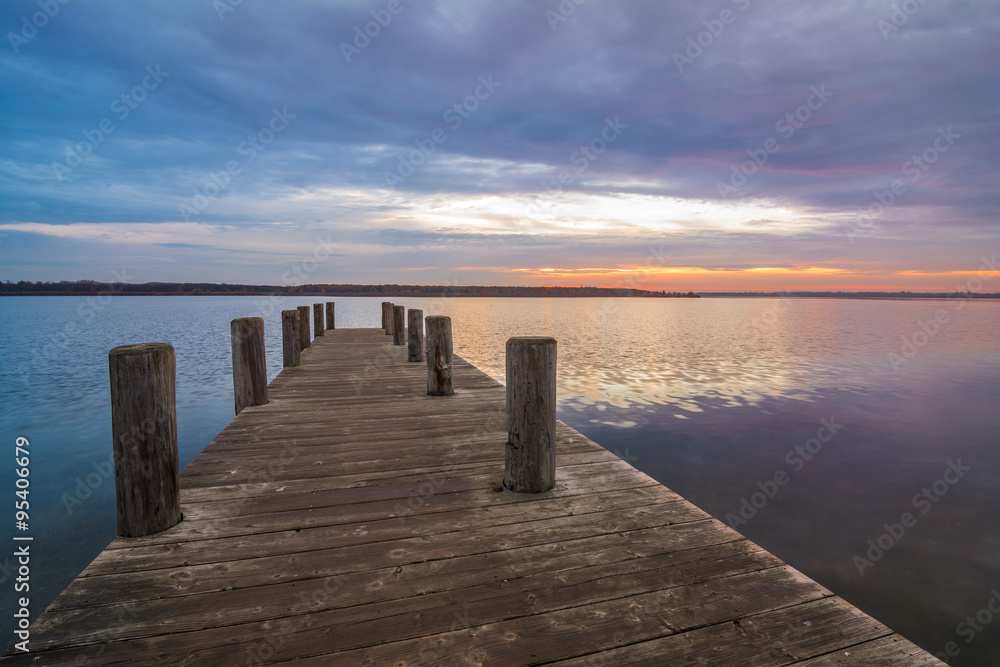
[86,287]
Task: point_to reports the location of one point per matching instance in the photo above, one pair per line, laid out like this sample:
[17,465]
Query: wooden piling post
[439,355]
[144,429]
[390,329]
[330,322]
[530,461]
[318,319]
[303,327]
[385,314]
[398,325]
[249,365]
[290,338]
[415,334]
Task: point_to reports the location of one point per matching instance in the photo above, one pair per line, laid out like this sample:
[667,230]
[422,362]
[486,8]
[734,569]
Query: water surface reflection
[708,396]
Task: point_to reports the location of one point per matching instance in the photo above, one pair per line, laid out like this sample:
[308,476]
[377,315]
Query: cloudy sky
[734,144]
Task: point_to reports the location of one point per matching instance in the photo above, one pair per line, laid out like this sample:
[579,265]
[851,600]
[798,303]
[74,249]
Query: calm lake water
[719,399]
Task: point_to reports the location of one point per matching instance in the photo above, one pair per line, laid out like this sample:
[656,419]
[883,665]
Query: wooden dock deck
[354,520]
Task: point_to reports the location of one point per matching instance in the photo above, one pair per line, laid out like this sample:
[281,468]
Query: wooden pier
[355,520]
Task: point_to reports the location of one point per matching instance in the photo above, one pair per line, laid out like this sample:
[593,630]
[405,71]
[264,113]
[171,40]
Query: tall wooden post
[385,314]
[318,319]
[530,465]
[249,365]
[390,319]
[415,334]
[291,344]
[439,355]
[144,429]
[398,325]
[330,322]
[303,327]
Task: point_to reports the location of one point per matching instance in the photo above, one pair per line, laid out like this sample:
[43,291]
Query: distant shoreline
[89,287]
[93,288]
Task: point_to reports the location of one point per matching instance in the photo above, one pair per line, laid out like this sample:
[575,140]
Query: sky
[727,145]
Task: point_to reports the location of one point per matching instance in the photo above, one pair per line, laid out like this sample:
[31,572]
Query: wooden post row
[390,320]
[398,325]
[530,459]
[303,327]
[290,338]
[318,319]
[439,354]
[144,432]
[249,363]
[415,334]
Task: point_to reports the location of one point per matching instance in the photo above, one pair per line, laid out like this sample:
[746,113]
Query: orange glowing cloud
[763,278]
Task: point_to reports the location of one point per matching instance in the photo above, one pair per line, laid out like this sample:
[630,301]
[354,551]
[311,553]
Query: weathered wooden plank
[595,626]
[230,606]
[587,497]
[769,639]
[410,539]
[261,569]
[427,599]
[889,650]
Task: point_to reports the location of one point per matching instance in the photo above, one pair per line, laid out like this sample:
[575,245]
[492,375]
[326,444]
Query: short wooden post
[390,319]
[439,355]
[290,343]
[415,334]
[398,325]
[144,429]
[318,319]
[303,327]
[385,314]
[530,465]
[249,365]
[330,322]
